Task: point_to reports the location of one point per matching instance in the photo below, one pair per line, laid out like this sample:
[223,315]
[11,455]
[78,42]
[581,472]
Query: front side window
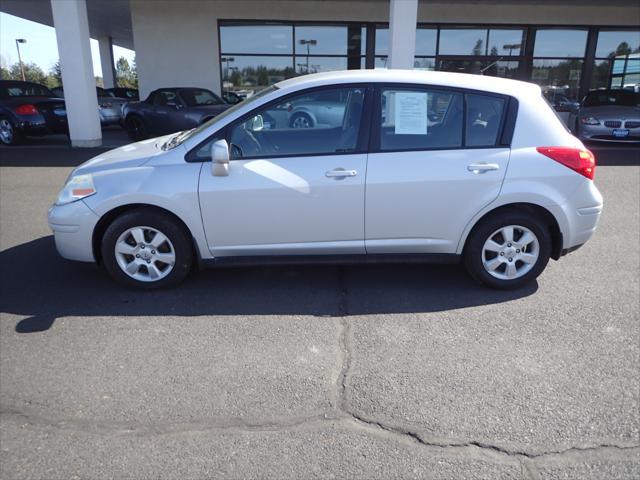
[319,122]
[484,117]
[420,119]
[164,97]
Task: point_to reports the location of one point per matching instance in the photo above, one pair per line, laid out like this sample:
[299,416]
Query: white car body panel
[409,206]
[285,206]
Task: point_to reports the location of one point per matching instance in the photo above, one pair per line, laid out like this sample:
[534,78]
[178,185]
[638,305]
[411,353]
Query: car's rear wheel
[508,250]
[147,249]
[136,128]
[9,135]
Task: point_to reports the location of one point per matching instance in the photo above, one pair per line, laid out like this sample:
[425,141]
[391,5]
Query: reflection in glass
[426,41]
[421,63]
[463,41]
[505,42]
[560,43]
[600,74]
[253,73]
[328,40]
[612,43]
[559,73]
[312,64]
[256,39]
[502,68]
[382,41]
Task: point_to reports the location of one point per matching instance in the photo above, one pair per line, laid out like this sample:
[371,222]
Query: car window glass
[196,97]
[484,116]
[162,98]
[420,119]
[320,122]
[25,91]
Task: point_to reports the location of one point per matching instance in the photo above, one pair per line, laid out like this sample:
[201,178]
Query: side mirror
[256,123]
[220,158]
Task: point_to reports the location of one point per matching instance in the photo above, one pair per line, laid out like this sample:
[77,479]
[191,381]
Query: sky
[41,47]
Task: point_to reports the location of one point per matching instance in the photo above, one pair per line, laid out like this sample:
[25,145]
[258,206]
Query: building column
[72,34]
[403,17]
[105,45]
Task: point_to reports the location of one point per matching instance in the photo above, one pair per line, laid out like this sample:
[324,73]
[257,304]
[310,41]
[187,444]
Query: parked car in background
[608,115]
[169,110]
[422,166]
[130,94]
[560,101]
[109,106]
[231,97]
[322,109]
[29,109]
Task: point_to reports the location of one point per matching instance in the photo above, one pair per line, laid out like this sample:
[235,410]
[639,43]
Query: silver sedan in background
[608,115]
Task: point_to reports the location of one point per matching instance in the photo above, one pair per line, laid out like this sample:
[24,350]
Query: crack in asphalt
[339,414]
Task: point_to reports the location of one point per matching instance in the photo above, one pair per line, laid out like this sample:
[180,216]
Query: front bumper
[600,133]
[72,225]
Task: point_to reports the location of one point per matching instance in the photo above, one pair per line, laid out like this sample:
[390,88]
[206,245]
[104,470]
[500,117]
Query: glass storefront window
[328,40]
[505,42]
[422,63]
[559,74]
[612,43]
[426,39]
[253,73]
[271,39]
[463,41]
[600,74]
[312,64]
[382,41]
[560,43]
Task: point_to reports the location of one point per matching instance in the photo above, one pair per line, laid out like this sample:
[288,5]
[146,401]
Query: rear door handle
[341,173]
[482,167]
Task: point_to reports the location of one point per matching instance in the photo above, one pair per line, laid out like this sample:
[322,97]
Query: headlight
[77,187]
[590,121]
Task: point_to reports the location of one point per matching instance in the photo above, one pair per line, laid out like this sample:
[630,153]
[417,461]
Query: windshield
[197,97]
[182,136]
[601,98]
[25,90]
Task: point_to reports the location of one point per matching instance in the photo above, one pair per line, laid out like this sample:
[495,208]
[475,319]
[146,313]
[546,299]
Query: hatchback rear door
[437,158]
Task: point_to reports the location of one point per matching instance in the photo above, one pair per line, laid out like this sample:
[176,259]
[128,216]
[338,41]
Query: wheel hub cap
[510,252]
[145,254]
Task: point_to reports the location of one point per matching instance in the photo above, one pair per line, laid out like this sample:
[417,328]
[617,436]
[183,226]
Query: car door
[289,191]
[166,106]
[432,167]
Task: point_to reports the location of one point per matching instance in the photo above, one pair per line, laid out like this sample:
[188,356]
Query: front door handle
[341,173]
[482,167]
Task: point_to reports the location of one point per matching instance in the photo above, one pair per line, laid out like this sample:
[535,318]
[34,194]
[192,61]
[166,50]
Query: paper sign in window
[411,113]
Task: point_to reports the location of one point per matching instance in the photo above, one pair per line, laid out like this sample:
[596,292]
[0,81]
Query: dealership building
[568,46]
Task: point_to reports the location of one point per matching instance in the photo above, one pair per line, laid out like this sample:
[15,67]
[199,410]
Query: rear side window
[416,119]
[484,117]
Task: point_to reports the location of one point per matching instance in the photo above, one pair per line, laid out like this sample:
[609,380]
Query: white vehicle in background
[423,166]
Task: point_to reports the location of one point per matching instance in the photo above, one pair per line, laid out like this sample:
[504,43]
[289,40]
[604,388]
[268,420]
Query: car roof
[448,79]
[19,82]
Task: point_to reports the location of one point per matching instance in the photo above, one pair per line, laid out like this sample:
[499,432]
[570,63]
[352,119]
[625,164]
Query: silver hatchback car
[410,166]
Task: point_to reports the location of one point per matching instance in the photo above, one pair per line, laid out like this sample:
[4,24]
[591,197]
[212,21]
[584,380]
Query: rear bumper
[37,125]
[579,216]
[72,225]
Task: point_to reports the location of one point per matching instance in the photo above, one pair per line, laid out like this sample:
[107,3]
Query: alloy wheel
[301,121]
[6,131]
[145,254]
[510,252]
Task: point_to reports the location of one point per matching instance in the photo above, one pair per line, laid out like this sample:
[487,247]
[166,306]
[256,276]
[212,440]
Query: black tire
[474,255]
[9,134]
[179,242]
[136,128]
[301,120]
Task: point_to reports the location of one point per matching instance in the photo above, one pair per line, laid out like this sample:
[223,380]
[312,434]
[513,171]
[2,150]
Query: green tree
[32,73]
[479,48]
[4,73]
[126,76]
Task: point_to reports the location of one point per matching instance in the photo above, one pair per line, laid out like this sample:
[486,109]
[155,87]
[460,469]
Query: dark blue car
[29,109]
[169,110]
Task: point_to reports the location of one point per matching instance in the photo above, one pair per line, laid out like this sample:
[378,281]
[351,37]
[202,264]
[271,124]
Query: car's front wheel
[9,135]
[508,250]
[147,249]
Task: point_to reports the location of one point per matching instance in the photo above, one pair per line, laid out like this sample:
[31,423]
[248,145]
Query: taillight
[27,109]
[578,159]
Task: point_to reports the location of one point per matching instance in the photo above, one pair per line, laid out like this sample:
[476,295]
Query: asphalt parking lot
[317,372]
